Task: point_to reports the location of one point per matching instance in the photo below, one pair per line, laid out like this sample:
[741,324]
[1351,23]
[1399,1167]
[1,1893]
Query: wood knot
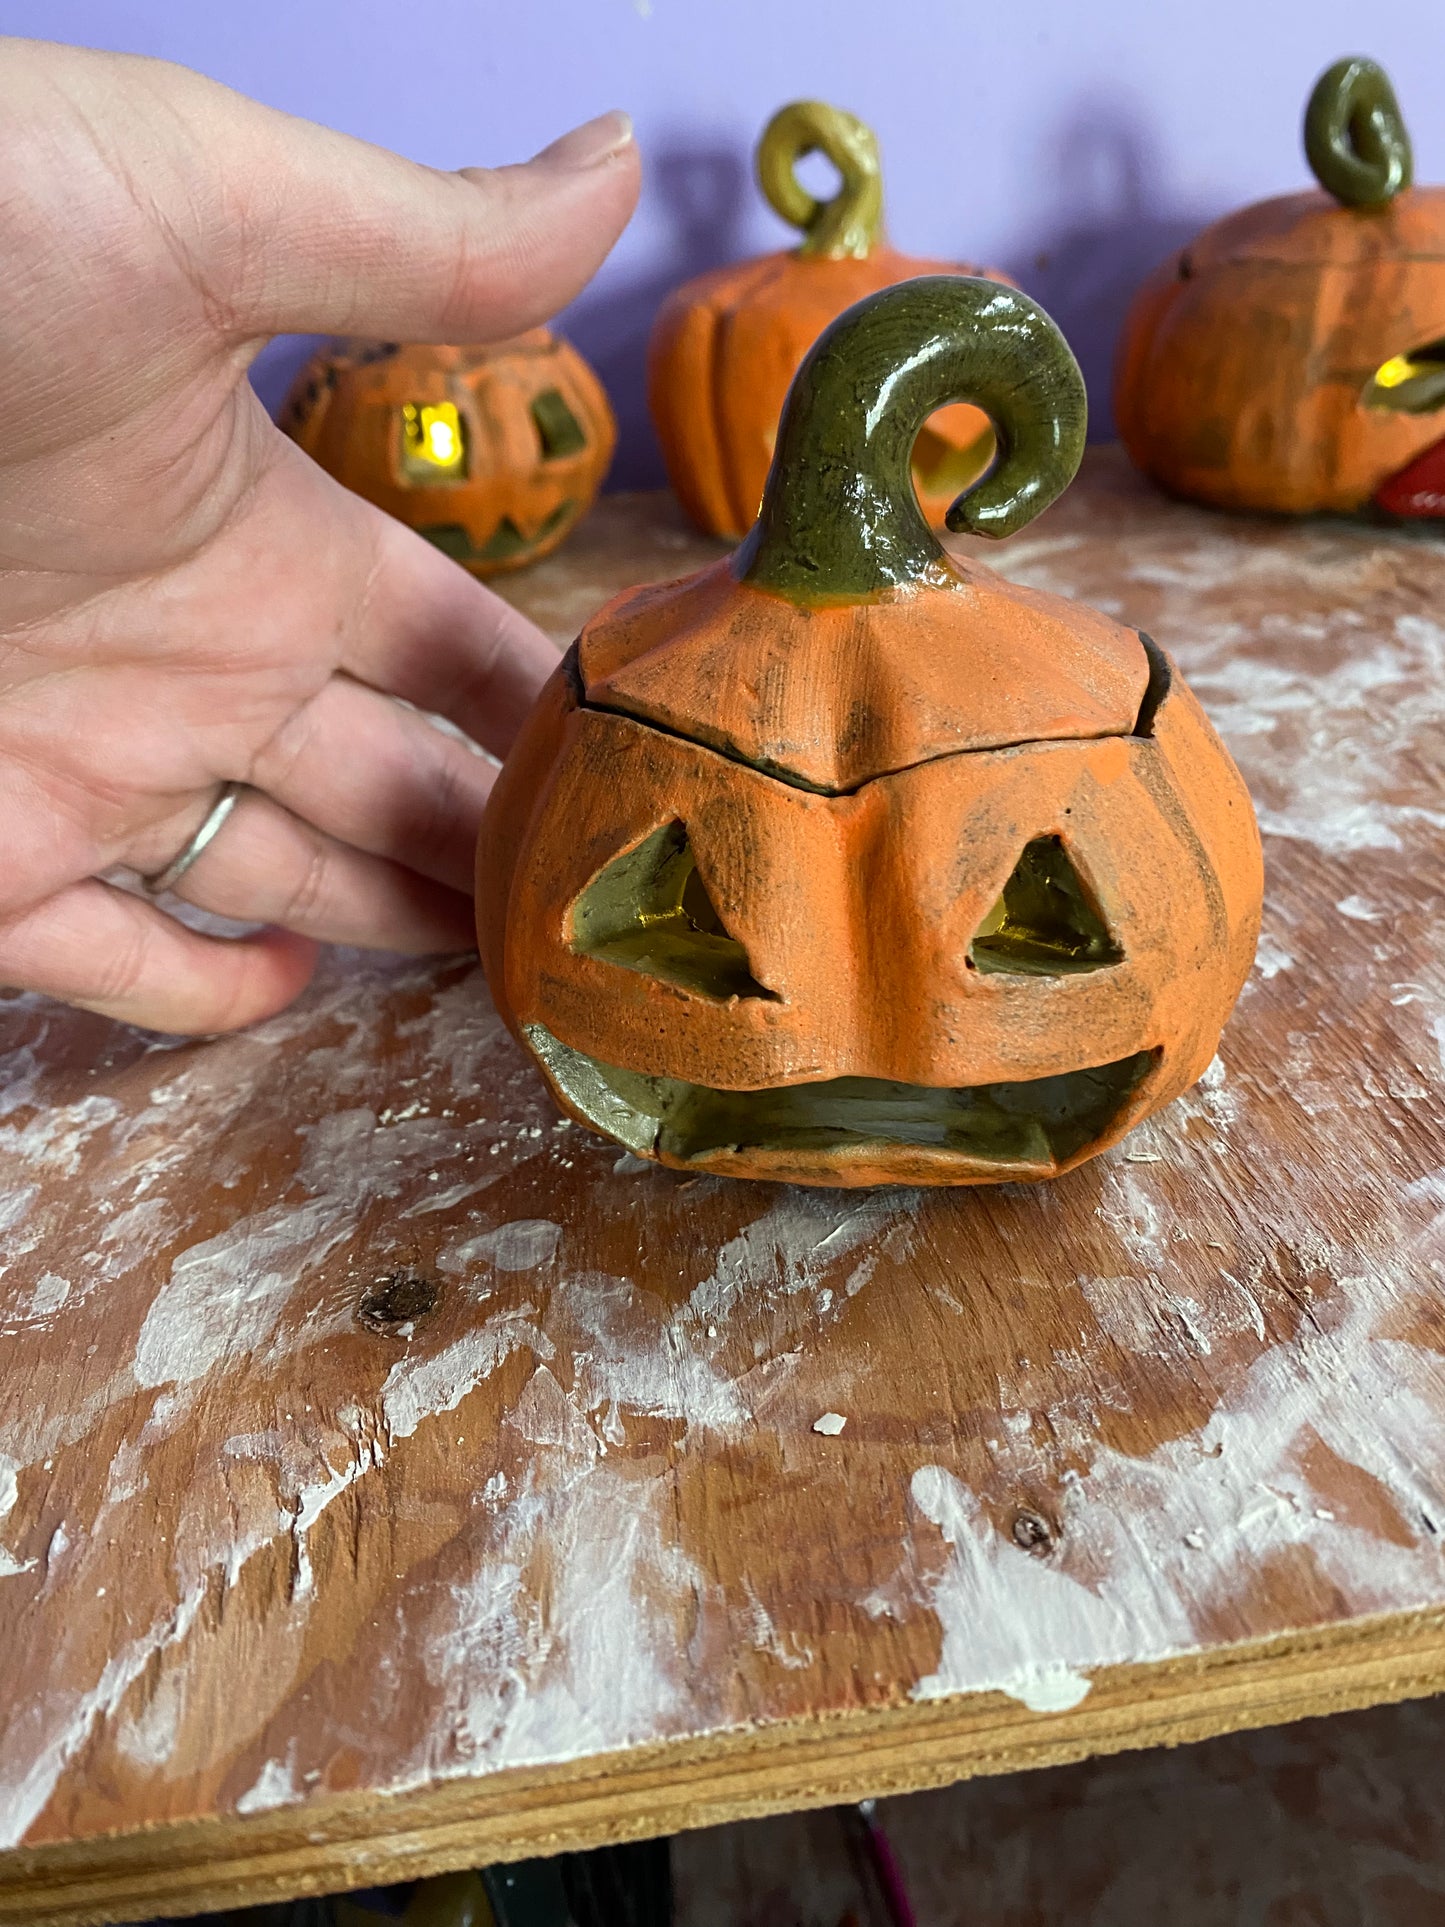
[1033,1532]
[395,1302]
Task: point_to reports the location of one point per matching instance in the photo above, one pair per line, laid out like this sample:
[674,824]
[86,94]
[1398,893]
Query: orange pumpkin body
[493,452]
[1293,358]
[724,349]
[1002,718]
[843,862]
[1245,361]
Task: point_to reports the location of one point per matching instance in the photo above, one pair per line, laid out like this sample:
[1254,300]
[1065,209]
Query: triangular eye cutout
[650,911]
[1045,924]
[558,429]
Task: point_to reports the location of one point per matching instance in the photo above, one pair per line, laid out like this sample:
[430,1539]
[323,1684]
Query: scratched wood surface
[396,1478]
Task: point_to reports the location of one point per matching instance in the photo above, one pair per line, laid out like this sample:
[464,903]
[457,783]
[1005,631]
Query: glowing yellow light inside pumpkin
[1402,368]
[433,439]
[1397,369]
[1409,384]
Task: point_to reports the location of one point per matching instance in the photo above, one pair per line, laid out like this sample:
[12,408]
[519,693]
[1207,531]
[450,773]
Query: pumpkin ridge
[1307,229]
[729,428]
[679,366]
[726,428]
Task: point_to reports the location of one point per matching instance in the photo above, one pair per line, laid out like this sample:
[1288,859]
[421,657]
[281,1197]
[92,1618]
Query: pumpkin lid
[1310,230]
[832,697]
[840,642]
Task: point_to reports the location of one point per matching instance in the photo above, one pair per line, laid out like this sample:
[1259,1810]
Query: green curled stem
[839,519]
[1355,136]
[847,225]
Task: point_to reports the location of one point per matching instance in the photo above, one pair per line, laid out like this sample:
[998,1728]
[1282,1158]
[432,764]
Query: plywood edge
[666,1787]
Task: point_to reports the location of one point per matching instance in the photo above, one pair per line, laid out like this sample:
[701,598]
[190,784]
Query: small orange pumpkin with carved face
[1292,358]
[845,862]
[726,345]
[492,452]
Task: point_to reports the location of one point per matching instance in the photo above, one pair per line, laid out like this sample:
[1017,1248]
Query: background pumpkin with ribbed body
[493,452]
[726,345]
[845,862]
[1292,358]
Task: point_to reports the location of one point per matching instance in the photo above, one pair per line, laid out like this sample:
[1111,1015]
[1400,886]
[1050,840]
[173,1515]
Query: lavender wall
[1071,141]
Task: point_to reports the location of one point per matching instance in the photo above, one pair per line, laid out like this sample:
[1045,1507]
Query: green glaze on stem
[1355,138]
[840,521]
[848,224]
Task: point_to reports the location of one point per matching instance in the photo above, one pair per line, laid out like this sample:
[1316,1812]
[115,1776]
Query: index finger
[425,630]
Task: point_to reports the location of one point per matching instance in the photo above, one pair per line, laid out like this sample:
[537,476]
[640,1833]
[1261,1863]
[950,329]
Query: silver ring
[168,878]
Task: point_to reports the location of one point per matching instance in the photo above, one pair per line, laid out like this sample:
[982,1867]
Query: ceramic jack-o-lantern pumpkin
[1293,356]
[726,345]
[493,452]
[846,862]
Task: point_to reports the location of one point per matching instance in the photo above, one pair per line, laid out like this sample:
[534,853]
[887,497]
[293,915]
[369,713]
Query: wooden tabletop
[395,1477]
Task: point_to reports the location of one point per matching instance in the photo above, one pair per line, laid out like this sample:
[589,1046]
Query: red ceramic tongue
[1419,488]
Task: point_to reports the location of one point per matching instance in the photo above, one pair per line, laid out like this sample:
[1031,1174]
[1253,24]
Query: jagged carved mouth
[1040,1122]
[507,544]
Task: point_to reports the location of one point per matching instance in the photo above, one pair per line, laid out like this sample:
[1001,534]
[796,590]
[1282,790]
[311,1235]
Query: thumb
[336,236]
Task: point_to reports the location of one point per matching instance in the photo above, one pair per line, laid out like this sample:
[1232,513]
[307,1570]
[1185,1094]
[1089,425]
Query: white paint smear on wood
[9,1493]
[599,1666]
[275,1786]
[1011,1623]
[526,1244]
[224,1297]
[71,1716]
[1167,1541]
[418,1387]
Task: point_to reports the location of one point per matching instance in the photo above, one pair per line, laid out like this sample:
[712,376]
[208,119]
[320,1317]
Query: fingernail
[592,142]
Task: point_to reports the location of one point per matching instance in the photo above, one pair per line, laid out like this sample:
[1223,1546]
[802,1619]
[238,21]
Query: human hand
[185,598]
